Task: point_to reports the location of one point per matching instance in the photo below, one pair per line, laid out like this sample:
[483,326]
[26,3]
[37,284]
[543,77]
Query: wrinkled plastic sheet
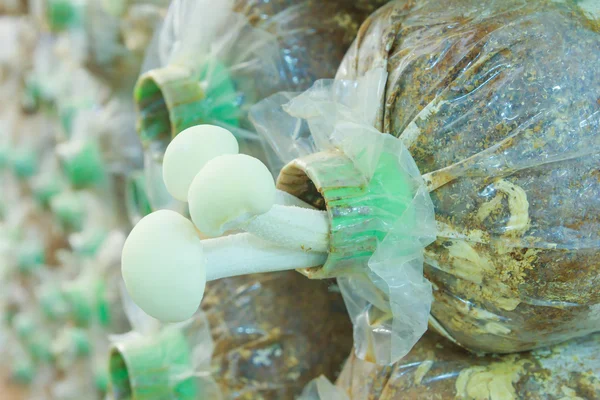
[438,369]
[240,52]
[387,297]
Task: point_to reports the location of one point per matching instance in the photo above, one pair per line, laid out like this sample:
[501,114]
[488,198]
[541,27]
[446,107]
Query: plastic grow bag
[258,336]
[498,104]
[438,369]
[380,213]
[211,61]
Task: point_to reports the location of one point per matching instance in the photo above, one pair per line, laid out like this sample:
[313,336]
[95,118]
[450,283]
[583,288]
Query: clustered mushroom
[251,226]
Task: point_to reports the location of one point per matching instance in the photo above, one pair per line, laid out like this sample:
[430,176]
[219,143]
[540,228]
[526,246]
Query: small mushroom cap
[189,151]
[164,267]
[228,191]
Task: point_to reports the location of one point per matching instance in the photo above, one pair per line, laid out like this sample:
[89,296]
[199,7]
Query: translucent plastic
[322,388]
[239,51]
[111,129]
[437,369]
[110,46]
[270,334]
[381,215]
[497,103]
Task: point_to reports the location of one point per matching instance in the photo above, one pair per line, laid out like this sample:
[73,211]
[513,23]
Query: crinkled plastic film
[498,104]
[438,369]
[115,45]
[211,61]
[384,219]
[205,48]
[104,141]
[322,388]
[270,334]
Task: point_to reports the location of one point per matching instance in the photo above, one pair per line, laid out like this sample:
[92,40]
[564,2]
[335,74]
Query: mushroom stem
[295,228]
[244,253]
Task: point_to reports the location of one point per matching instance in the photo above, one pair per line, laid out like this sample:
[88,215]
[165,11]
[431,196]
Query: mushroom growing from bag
[212,60]
[498,103]
[166,264]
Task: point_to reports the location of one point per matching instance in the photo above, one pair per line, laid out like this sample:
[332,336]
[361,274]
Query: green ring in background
[171,99]
[153,367]
[85,167]
[63,14]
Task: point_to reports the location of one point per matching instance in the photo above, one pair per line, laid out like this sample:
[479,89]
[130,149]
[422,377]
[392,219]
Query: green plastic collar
[63,14]
[153,368]
[361,212]
[84,167]
[171,99]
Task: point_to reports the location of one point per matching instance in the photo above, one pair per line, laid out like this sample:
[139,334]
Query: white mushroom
[165,265]
[189,151]
[237,191]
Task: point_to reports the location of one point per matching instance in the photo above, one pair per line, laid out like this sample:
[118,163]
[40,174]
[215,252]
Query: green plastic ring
[361,212]
[153,368]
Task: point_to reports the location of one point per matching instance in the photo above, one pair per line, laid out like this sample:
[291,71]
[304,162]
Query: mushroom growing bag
[438,369]
[380,213]
[212,60]
[262,336]
[498,103]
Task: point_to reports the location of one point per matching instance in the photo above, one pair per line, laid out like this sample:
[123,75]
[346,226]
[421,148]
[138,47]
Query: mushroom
[165,264]
[229,191]
[189,151]
[237,192]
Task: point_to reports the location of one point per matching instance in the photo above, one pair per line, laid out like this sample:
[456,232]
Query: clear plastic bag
[115,44]
[438,369]
[497,103]
[322,388]
[211,61]
[265,336]
[380,214]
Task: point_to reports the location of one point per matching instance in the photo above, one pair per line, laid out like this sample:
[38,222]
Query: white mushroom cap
[164,267]
[228,191]
[189,151]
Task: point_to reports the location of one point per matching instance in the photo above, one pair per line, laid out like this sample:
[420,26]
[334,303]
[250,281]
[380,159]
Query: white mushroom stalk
[165,264]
